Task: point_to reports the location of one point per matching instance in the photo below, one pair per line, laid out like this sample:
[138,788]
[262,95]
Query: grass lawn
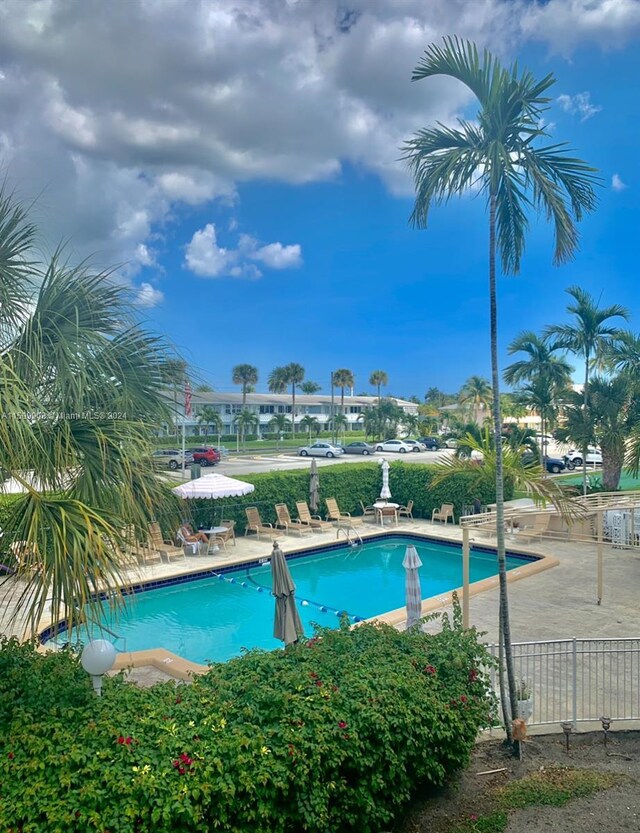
[628,483]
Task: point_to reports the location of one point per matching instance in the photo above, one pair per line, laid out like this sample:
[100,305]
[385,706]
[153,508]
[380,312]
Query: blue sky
[259,208]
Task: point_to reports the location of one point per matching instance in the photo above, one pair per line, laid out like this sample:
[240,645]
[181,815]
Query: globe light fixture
[97,658]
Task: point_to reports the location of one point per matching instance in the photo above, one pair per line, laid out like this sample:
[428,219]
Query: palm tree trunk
[379,399]
[542,446]
[497,431]
[585,405]
[293,410]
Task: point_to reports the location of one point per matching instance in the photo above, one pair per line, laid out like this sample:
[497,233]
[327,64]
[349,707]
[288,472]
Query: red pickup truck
[205,455]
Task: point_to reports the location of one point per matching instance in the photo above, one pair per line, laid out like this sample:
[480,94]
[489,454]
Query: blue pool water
[212,619]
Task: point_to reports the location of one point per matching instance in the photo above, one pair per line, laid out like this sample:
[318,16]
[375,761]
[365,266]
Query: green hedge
[331,736]
[349,483]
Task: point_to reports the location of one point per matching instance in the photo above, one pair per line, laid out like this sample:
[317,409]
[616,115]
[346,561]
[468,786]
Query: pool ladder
[348,530]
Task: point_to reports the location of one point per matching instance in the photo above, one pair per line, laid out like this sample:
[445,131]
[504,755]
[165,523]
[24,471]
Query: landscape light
[606,725]
[567,728]
[97,658]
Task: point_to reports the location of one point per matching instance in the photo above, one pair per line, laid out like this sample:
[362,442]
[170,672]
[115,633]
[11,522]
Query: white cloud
[148,296]
[579,105]
[617,184]
[205,258]
[565,24]
[277,256]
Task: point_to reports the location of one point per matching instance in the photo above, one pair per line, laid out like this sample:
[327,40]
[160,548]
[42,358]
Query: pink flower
[318,682]
[473,675]
[342,724]
[429,669]
[463,698]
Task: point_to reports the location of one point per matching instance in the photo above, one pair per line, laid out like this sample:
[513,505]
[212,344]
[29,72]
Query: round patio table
[381,505]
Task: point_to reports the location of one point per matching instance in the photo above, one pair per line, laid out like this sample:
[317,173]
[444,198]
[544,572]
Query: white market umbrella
[385,494]
[213,486]
[413,592]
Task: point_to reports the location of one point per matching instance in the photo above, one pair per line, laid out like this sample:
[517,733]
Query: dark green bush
[331,736]
[349,483]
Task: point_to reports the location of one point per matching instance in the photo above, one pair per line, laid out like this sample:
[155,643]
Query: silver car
[170,458]
[320,449]
[416,445]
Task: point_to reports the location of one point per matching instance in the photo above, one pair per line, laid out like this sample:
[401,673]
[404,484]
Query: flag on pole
[187,399]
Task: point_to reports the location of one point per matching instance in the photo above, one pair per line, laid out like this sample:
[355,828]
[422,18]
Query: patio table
[381,505]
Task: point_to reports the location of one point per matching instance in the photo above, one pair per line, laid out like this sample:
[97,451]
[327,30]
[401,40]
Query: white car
[321,450]
[594,456]
[416,445]
[400,446]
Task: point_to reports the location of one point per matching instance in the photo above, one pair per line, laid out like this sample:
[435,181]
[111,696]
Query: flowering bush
[332,735]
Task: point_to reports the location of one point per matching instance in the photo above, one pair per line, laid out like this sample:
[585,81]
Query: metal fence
[579,679]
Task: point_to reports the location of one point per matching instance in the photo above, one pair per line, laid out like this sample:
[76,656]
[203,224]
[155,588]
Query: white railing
[579,679]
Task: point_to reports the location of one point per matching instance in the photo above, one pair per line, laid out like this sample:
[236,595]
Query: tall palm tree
[72,353]
[247,376]
[410,423]
[210,418]
[378,379]
[548,376]
[280,423]
[310,387]
[339,423]
[497,152]
[244,421]
[589,336]
[277,381]
[343,378]
[310,423]
[174,375]
[294,374]
[477,395]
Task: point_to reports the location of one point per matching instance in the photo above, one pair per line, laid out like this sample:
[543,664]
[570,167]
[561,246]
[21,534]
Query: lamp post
[97,658]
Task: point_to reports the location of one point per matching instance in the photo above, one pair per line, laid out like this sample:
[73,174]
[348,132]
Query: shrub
[330,736]
[349,483]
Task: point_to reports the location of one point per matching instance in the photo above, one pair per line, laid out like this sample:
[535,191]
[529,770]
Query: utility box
[195,470]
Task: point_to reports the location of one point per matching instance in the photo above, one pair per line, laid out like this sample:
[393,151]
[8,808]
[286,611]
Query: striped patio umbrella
[314,488]
[411,564]
[287,626]
[385,493]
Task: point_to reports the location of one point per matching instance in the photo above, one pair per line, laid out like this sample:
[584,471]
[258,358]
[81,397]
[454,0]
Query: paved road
[288,461]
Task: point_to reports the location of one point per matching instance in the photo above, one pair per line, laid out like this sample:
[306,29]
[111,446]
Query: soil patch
[468,803]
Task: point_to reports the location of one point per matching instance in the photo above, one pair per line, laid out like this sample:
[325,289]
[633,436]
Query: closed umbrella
[286,625]
[314,487]
[385,494]
[411,564]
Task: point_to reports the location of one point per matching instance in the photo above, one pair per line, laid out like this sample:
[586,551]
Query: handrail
[347,534]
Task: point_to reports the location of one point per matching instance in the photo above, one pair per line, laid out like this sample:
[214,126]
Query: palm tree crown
[378,378]
[245,375]
[294,375]
[277,381]
[343,378]
[498,153]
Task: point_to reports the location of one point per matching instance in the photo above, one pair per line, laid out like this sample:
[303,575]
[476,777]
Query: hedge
[349,483]
[331,736]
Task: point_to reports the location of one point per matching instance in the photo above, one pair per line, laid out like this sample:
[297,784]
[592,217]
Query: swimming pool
[214,617]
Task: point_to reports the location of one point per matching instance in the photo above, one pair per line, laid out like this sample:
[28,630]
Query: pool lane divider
[252,584]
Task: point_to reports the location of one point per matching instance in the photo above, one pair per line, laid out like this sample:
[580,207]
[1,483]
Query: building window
[267,409]
[355,409]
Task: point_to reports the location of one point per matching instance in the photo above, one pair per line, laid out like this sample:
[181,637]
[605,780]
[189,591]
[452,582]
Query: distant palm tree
[496,153]
[203,388]
[277,381]
[247,376]
[209,417]
[280,423]
[547,375]
[477,394]
[246,420]
[175,375]
[310,423]
[294,374]
[589,336]
[434,396]
[410,423]
[342,379]
[339,423]
[378,379]
[310,387]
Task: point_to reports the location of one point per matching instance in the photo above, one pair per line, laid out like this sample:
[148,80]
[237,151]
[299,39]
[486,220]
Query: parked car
[205,455]
[359,448]
[321,450]
[451,442]
[431,443]
[394,445]
[416,445]
[554,465]
[170,458]
[573,458]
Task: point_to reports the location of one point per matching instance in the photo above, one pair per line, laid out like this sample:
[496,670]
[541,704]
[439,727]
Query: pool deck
[550,604]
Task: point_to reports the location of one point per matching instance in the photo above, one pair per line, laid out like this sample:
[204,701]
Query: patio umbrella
[385,494]
[213,486]
[413,593]
[286,625]
[314,487]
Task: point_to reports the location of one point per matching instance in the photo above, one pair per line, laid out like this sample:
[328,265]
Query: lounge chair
[536,529]
[254,524]
[368,511]
[142,552]
[286,522]
[443,514]
[334,514]
[164,546]
[312,521]
[406,511]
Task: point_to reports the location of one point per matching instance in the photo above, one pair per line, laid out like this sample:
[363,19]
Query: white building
[266,405]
